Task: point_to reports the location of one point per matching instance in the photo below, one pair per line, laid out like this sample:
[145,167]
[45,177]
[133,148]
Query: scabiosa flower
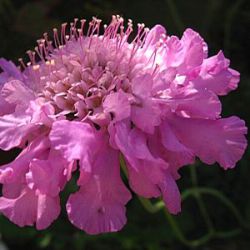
[93,98]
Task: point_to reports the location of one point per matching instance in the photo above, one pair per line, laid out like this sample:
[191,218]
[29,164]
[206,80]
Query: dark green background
[225,24]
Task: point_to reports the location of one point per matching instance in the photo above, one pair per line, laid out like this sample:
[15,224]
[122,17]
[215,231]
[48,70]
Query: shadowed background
[224,24]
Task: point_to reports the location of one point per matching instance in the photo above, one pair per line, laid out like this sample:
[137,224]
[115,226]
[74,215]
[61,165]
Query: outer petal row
[98,206]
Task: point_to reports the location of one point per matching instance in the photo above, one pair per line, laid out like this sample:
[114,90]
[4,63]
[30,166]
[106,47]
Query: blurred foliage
[225,25]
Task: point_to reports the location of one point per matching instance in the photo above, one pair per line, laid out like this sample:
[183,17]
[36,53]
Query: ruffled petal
[191,103]
[40,177]
[50,175]
[140,182]
[221,141]
[142,86]
[30,194]
[118,105]
[48,209]
[98,207]
[18,128]
[10,69]
[6,108]
[171,194]
[174,152]
[12,190]
[195,49]
[41,113]
[29,208]
[145,113]
[20,210]
[146,117]
[133,144]
[16,92]
[15,171]
[154,35]
[187,53]
[14,130]
[215,75]
[75,140]
[149,175]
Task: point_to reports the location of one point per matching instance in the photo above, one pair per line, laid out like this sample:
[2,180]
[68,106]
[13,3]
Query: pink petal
[16,92]
[21,204]
[140,182]
[50,175]
[75,140]
[98,206]
[164,79]
[4,77]
[148,175]
[101,217]
[187,53]
[195,48]
[48,209]
[28,209]
[117,104]
[171,194]
[154,35]
[41,113]
[146,117]
[189,102]
[174,52]
[41,177]
[142,86]
[216,75]
[19,127]
[21,210]
[6,108]
[15,171]
[175,153]
[14,130]
[133,144]
[221,141]
[10,69]
[12,190]
[145,114]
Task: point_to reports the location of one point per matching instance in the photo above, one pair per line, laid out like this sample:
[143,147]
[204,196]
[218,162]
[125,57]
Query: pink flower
[93,98]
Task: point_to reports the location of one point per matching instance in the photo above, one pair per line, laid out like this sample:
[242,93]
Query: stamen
[83,21]
[71,33]
[140,29]
[31,55]
[145,34]
[56,38]
[22,64]
[90,28]
[42,47]
[48,45]
[63,33]
[80,39]
[39,54]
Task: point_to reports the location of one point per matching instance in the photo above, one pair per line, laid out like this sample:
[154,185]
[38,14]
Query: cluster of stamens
[77,70]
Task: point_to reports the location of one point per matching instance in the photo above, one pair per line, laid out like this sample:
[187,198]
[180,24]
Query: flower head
[88,98]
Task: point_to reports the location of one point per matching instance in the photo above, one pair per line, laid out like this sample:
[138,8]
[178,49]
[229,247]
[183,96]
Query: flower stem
[203,209]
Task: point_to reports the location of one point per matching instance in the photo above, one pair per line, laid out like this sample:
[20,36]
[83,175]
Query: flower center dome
[77,75]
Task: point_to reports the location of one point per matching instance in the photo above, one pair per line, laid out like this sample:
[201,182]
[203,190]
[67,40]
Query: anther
[22,64]
[35,67]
